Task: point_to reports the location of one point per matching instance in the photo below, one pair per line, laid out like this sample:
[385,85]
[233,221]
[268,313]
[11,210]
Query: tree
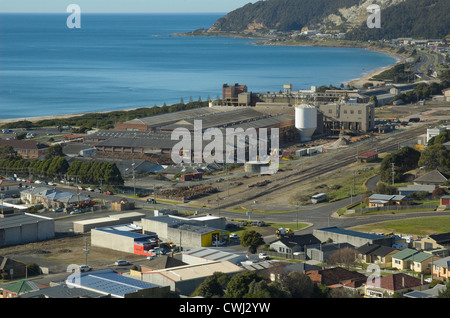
[435,157]
[252,240]
[404,160]
[345,256]
[54,151]
[8,152]
[239,284]
[299,285]
[212,286]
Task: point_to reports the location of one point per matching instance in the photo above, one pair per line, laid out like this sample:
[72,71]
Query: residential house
[376,254]
[434,177]
[413,188]
[337,277]
[11,269]
[19,288]
[385,287]
[421,261]
[278,269]
[380,200]
[296,243]
[402,260]
[441,269]
[433,241]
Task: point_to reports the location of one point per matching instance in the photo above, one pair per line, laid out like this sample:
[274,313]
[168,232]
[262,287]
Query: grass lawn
[415,226]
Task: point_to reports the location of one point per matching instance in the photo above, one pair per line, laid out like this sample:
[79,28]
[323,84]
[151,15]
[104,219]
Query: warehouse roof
[109,282]
[165,119]
[218,120]
[351,233]
[13,220]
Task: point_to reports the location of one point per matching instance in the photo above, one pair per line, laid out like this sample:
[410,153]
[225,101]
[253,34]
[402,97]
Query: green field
[415,226]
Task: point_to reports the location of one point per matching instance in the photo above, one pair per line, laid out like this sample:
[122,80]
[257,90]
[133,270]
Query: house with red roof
[386,286]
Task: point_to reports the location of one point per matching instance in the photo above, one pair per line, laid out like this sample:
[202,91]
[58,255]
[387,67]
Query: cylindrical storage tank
[306,120]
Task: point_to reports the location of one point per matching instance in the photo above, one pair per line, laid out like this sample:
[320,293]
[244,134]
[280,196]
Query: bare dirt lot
[58,254]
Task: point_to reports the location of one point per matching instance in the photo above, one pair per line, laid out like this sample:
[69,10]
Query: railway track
[327,164]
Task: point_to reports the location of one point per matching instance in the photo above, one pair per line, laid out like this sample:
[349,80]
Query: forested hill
[399,18]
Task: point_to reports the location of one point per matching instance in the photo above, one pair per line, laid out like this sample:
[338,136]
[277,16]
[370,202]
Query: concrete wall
[112,241]
[42,229]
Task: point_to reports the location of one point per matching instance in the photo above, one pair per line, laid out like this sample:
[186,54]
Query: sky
[122,6]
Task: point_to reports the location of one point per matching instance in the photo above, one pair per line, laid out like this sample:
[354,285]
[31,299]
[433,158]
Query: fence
[394,208]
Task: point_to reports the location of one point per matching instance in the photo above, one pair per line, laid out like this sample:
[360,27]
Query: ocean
[123,61]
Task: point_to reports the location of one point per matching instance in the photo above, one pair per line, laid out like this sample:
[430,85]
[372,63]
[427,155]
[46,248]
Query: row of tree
[55,165]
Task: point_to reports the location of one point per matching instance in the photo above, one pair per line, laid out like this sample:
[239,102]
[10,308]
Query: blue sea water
[122,61]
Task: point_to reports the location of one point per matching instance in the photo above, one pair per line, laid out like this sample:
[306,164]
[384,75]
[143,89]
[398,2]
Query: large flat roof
[342,231]
[14,220]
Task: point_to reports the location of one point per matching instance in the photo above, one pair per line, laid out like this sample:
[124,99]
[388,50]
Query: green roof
[22,287]
[404,254]
[419,257]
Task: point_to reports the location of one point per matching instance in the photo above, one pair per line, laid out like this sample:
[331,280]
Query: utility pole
[393,172]
[86,250]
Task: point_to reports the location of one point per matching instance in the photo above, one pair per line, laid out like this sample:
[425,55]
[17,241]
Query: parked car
[234,236]
[151,200]
[90,189]
[121,263]
[78,211]
[263,256]
[58,210]
[85,268]
[108,192]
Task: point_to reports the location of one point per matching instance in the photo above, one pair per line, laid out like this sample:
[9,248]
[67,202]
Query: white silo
[306,120]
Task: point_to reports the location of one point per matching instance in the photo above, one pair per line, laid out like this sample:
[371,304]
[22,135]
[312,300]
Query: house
[322,252]
[402,260]
[19,288]
[434,177]
[296,243]
[421,261]
[11,269]
[278,269]
[433,241]
[376,254]
[380,200]
[441,269]
[413,188]
[385,287]
[336,277]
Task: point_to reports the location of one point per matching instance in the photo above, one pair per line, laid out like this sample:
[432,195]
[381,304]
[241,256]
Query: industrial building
[188,232]
[352,117]
[85,226]
[185,279]
[25,228]
[355,238]
[124,238]
[236,95]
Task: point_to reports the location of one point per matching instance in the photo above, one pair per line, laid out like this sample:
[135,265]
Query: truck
[282,232]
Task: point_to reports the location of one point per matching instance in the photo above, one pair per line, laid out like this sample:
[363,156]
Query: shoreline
[357,82]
